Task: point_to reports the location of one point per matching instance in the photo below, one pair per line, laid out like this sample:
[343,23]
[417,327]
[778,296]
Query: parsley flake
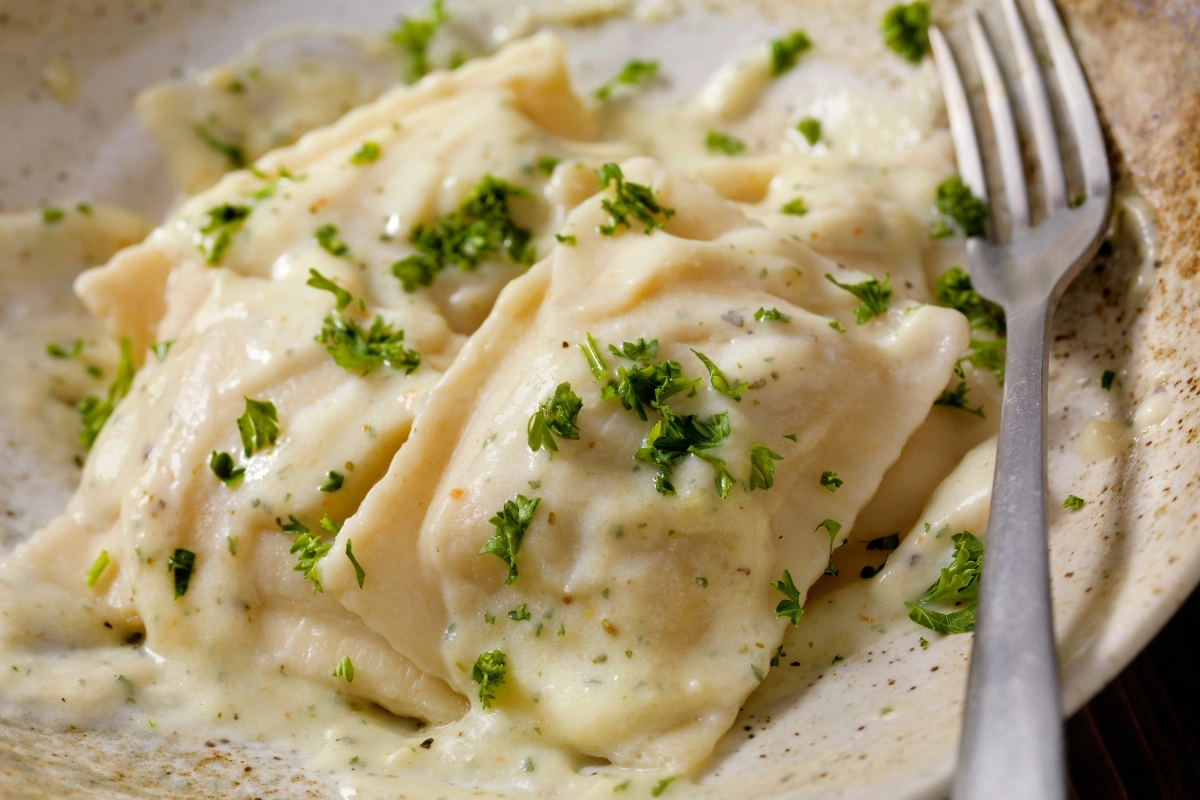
[676,436]
[953,289]
[319,281]
[258,426]
[333,481]
[830,480]
[520,613]
[648,385]
[762,466]
[359,574]
[787,50]
[217,232]
[717,142]
[635,73]
[161,349]
[235,154]
[789,607]
[875,296]
[956,201]
[885,543]
[957,398]
[1106,380]
[512,522]
[221,465]
[367,154]
[569,240]
[558,416]
[1073,502]
[55,350]
[960,580]
[327,237]
[414,35]
[52,215]
[906,30]
[488,672]
[771,315]
[960,621]
[831,527]
[796,208]
[308,549]
[180,565]
[810,129]
[718,380]
[641,350]
[479,228]
[97,569]
[721,477]
[661,786]
[344,669]
[93,411]
[591,352]
[629,200]
[546,164]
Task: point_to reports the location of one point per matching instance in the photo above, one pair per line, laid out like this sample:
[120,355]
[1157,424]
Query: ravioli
[650,616]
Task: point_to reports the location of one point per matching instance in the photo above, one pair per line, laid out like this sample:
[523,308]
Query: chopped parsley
[358,349]
[648,385]
[218,230]
[488,672]
[54,350]
[344,669]
[591,351]
[235,154]
[717,142]
[520,613]
[268,191]
[1077,200]
[984,354]
[1073,502]
[796,207]
[830,480]
[180,565]
[721,477]
[635,73]
[367,154]
[960,580]
[789,607]
[414,35]
[837,326]
[308,549]
[957,398]
[327,237]
[641,350]
[558,416]
[771,315]
[569,240]
[319,281]
[676,436]
[97,569]
[52,215]
[885,543]
[779,654]
[481,227]
[810,129]
[93,411]
[875,296]
[328,524]
[762,466]
[953,289]
[786,51]
[906,30]
[923,642]
[629,200]
[718,380]
[546,164]
[1106,380]
[960,621]
[161,349]
[333,481]
[359,574]
[661,785]
[956,201]
[832,527]
[511,521]
[221,465]
[702,582]
[258,426]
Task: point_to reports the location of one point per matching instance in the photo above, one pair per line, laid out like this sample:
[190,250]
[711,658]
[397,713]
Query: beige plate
[885,722]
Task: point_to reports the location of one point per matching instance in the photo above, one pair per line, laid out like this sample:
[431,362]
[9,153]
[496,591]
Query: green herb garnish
[786,51]
[520,613]
[718,380]
[333,481]
[875,296]
[957,398]
[789,606]
[93,411]
[591,352]
[1073,502]
[218,230]
[648,385]
[956,201]
[180,565]
[54,350]
[258,426]
[831,527]
[344,669]
[512,521]
[771,315]
[308,549]
[676,436]
[358,349]
[327,237]
[953,289]
[830,480]
[762,466]
[796,207]
[359,574]
[634,73]
[558,416]
[367,154]
[629,200]
[414,35]
[906,30]
[1106,380]
[717,142]
[810,129]
[641,350]
[233,153]
[488,672]
[97,569]
[52,215]
[221,465]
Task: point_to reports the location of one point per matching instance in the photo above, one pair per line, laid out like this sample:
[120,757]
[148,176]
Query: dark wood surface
[1140,737]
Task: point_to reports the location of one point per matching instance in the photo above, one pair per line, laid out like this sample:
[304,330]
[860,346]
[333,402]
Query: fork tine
[1034,87]
[1012,166]
[962,128]
[1078,99]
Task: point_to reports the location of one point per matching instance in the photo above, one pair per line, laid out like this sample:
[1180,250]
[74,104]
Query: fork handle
[1012,738]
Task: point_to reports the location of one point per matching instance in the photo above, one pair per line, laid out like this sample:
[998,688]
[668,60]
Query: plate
[881,724]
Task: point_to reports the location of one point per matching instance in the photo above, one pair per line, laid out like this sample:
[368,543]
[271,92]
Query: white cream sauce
[664,605]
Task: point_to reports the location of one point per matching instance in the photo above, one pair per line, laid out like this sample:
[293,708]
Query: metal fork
[1012,737]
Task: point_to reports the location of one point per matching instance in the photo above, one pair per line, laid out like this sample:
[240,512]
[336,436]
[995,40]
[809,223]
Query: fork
[1012,736]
